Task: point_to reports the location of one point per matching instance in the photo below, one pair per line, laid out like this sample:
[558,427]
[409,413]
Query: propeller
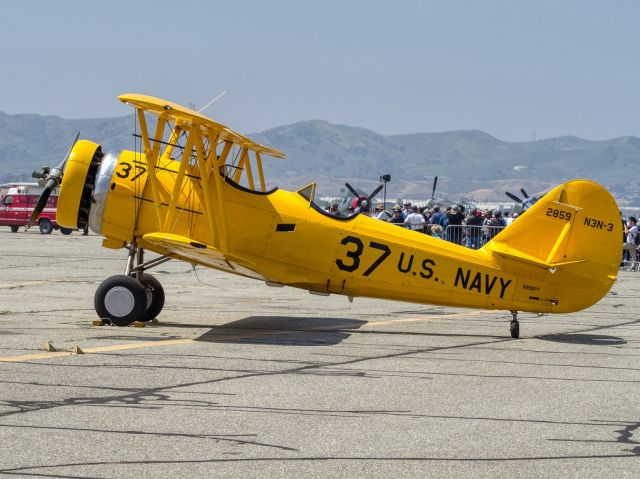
[364,202]
[433,191]
[513,197]
[526,203]
[51,178]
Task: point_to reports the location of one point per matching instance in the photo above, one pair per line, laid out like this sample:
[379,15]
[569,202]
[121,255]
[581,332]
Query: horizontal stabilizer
[525,258]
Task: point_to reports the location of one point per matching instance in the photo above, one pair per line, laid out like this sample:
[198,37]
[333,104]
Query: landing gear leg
[514,327]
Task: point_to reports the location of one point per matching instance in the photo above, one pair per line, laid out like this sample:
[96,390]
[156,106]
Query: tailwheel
[154,293]
[121,300]
[514,327]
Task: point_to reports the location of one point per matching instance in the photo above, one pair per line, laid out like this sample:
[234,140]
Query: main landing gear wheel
[154,293]
[121,300]
[514,327]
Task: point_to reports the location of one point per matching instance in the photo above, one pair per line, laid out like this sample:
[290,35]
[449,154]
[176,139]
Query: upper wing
[214,153]
[188,118]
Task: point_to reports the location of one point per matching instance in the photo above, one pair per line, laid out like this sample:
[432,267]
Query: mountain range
[470,164]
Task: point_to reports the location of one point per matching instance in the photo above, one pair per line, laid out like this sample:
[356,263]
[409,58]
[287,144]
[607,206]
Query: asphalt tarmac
[238,379]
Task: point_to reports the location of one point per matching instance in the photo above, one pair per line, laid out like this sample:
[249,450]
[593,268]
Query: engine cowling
[76,188]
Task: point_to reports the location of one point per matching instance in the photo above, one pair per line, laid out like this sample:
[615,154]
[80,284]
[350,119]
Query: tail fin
[575,232]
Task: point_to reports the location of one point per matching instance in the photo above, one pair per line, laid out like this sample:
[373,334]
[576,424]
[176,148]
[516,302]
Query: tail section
[574,235]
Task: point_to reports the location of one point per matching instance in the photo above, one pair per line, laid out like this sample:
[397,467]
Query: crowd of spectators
[475,227]
[471,229]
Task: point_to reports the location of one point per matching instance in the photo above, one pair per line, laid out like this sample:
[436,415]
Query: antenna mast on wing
[226,90]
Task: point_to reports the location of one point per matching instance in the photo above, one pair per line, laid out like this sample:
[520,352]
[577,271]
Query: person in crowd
[473,229]
[495,225]
[381,213]
[453,231]
[426,212]
[396,217]
[486,217]
[435,216]
[625,253]
[407,210]
[415,220]
[436,231]
[631,242]
[444,219]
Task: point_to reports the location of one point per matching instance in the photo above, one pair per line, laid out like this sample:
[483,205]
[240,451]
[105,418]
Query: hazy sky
[506,67]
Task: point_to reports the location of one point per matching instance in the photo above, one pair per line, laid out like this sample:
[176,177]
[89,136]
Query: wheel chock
[155,321]
[47,346]
[77,350]
[98,322]
[138,324]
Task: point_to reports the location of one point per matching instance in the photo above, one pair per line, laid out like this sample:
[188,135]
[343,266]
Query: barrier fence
[471,236]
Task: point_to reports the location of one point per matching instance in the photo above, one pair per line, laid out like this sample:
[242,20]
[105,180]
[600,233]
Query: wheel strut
[514,327]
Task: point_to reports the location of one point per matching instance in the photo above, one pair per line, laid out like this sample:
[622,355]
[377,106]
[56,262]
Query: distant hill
[30,141]
[470,164]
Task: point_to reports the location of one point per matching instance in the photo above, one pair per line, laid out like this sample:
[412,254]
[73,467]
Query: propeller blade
[513,197]
[350,188]
[42,201]
[375,192]
[433,191]
[51,177]
[524,193]
[63,162]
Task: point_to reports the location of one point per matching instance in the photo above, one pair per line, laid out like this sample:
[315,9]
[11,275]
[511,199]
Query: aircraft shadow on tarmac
[292,331]
[587,339]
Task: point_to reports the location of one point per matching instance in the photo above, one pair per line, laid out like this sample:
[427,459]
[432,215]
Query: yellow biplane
[195,190]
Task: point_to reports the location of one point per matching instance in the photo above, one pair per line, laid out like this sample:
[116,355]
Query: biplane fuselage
[196,192]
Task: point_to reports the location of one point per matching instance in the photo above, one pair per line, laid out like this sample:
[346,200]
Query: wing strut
[152,157]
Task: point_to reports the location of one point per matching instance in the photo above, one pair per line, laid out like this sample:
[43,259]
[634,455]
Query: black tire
[45,226]
[65,231]
[155,297]
[14,228]
[514,327]
[120,300]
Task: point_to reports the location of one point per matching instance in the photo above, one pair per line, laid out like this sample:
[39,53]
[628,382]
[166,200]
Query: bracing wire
[195,271]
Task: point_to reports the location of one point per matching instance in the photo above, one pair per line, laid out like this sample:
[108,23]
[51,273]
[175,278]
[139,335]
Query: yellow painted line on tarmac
[18,285]
[28,357]
[221,337]
[100,349]
[425,318]
[146,344]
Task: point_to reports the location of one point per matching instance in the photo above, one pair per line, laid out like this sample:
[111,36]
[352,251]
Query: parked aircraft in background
[525,203]
[445,203]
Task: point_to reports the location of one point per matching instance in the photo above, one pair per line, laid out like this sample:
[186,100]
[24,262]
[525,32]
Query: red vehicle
[17,201]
